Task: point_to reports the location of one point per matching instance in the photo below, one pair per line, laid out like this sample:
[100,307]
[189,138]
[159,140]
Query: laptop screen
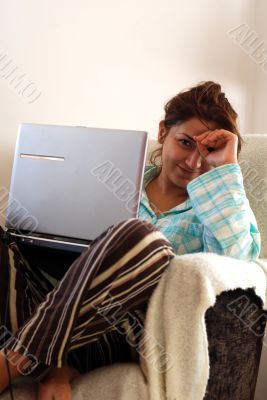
[74,181]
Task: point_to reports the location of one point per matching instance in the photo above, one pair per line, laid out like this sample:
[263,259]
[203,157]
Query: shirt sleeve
[219,200]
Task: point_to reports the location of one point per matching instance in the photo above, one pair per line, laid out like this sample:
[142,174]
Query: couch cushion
[253,162]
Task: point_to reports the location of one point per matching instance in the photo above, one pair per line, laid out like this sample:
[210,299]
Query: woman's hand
[218,147]
[57,384]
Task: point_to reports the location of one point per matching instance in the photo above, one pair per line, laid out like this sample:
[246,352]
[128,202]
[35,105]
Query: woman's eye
[186,142]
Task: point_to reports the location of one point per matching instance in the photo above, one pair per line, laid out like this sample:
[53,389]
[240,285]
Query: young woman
[193,200]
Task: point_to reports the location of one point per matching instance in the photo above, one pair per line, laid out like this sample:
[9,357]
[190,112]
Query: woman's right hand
[223,144]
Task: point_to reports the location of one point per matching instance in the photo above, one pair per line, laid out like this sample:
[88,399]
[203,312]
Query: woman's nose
[193,161]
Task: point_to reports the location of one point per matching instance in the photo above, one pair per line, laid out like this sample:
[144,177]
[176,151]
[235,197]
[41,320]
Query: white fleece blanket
[175,360]
[176,320]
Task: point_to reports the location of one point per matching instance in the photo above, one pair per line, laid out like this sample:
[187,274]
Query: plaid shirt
[215,218]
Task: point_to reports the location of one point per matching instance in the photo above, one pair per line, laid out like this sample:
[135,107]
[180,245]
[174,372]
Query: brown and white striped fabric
[102,291]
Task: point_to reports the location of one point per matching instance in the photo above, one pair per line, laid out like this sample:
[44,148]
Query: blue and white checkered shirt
[215,218]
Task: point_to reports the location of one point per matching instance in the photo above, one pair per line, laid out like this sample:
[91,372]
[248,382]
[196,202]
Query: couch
[234,349]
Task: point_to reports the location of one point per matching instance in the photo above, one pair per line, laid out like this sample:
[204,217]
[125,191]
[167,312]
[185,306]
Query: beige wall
[115,63]
[259,124]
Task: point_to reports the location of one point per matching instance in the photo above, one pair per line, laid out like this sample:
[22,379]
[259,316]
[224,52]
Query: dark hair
[206,102]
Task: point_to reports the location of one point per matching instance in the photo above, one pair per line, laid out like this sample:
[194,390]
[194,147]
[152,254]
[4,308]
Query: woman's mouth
[186,171]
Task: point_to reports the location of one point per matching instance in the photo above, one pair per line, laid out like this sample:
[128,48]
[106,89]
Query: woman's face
[181,160]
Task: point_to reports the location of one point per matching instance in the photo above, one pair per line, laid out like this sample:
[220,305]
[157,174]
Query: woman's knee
[144,230]
[143,224]
[137,226]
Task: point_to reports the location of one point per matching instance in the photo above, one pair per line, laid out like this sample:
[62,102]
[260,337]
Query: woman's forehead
[193,127]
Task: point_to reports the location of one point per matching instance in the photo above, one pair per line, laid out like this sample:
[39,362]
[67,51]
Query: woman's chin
[180,182]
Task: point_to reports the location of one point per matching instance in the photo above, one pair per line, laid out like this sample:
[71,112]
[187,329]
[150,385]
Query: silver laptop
[69,184]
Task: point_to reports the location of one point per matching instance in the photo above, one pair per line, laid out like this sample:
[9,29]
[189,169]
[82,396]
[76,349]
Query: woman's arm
[219,199]
[220,203]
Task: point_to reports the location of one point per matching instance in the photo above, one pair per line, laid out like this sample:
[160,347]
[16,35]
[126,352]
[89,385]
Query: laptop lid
[74,181]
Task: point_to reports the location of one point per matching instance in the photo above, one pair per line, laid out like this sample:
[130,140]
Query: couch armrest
[235,327]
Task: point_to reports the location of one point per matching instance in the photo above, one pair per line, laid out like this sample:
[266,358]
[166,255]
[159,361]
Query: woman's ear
[162,132]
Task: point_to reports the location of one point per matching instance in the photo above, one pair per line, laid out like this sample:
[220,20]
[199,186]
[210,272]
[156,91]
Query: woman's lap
[113,269]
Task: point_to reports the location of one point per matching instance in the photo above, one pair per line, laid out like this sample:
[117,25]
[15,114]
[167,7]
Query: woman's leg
[22,287]
[21,290]
[119,271]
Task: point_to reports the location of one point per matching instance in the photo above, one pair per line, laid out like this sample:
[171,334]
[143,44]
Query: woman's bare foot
[54,389]
[57,384]
[15,364]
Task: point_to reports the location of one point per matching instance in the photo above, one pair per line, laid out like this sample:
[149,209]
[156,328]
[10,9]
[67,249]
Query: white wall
[114,63]
[259,124]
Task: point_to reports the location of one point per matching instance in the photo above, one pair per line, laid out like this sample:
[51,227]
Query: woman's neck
[166,188]
[160,197]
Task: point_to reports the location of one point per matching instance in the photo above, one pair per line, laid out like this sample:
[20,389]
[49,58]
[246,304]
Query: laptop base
[55,242]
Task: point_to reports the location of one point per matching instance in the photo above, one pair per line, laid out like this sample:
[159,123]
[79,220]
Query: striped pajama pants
[101,292]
